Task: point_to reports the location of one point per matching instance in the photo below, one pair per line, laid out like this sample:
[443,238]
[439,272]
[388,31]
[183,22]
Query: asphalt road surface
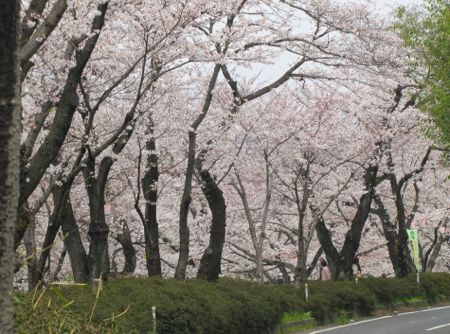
[429,321]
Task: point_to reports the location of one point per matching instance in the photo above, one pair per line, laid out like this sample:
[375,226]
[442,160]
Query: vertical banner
[413,243]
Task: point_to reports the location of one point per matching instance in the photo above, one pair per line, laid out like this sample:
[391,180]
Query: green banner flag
[413,243]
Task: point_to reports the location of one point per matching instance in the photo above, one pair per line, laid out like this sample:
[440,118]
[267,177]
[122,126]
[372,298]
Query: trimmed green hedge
[193,306]
[198,307]
[329,300]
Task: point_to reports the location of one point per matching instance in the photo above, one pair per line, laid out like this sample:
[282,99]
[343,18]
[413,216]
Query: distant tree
[428,35]
[9,153]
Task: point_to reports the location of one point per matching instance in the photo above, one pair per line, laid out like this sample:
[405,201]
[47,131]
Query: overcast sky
[267,73]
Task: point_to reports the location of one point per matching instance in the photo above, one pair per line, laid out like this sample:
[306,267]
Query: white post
[154,318]
[418,280]
[306,292]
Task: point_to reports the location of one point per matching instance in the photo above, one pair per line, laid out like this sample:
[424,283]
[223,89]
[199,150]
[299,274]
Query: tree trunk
[9,154]
[129,251]
[212,257]
[98,258]
[54,223]
[301,272]
[390,232]
[259,265]
[341,263]
[60,264]
[150,190]
[29,240]
[431,260]
[72,240]
[404,260]
[180,271]
[430,257]
[31,175]
[333,258]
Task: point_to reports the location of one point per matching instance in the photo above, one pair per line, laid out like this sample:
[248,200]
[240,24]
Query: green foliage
[429,35]
[436,286]
[194,306]
[36,314]
[330,300]
[333,300]
[228,306]
[295,316]
[390,291]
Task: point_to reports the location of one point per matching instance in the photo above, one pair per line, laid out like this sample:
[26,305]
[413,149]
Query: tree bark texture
[98,258]
[65,109]
[431,255]
[150,189]
[60,195]
[390,232]
[9,153]
[29,240]
[301,272]
[341,263]
[129,252]
[180,271]
[72,240]
[210,264]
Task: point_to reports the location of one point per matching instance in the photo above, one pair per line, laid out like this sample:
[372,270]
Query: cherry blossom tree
[200,138]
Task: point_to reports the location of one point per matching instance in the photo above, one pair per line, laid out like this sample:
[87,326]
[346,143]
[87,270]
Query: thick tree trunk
[390,232]
[129,251]
[332,255]
[180,271]
[431,261]
[341,263]
[9,153]
[150,189]
[98,258]
[212,257]
[404,260]
[72,240]
[59,196]
[301,272]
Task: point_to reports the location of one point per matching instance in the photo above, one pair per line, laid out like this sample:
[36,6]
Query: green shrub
[229,306]
[36,315]
[194,306]
[435,286]
[388,291]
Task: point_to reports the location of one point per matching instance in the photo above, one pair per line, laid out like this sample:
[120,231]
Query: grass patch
[295,329]
[295,316]
[409,301]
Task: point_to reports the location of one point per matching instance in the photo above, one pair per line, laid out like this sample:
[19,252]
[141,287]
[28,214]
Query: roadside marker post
[418,281]
[306,292]
[154,318]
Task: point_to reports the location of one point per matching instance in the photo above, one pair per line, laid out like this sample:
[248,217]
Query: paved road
[429,321]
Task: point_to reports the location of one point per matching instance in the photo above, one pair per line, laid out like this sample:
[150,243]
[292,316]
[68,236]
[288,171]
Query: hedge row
[198,307]
[330,299]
